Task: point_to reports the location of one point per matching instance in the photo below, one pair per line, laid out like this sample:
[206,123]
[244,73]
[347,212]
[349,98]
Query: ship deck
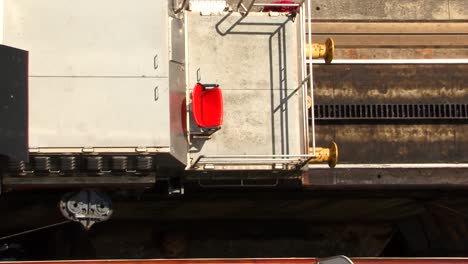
[255,59]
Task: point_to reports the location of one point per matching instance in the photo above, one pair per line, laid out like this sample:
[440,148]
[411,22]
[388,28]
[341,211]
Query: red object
[207,106]
[283,9]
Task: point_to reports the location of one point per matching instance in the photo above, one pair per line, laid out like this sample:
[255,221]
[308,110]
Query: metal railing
[303,8]
[253,159]
[308,88]
[252,4]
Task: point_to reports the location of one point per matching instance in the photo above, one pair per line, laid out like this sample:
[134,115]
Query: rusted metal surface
[411,142]
[266,260]
[385,41]
[395,40]
[396,34]
[390,10]
[356,84]
[411,260]
[372,177]
[401,53]
[398,143]
[382,28]
[28,182]
[177,261]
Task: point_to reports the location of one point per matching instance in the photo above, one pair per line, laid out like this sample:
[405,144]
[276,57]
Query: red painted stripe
[258,261]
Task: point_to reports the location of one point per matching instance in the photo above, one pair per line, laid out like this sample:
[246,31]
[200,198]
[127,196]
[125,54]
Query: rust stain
[350,54]
[271,260]
[427,53]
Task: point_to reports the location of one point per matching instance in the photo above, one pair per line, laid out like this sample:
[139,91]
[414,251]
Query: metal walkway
[258,61]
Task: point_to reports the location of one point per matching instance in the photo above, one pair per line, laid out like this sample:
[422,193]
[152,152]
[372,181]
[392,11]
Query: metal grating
[391,112]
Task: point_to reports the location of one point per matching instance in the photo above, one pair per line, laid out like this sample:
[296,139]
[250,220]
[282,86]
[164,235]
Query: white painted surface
[98,112]
[207,6]
[90,38]
[92,71]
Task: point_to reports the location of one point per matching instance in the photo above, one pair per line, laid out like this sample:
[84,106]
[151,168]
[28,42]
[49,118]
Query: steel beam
[377,28]
[38,182]
[396,34]
[265,260]
[388,175]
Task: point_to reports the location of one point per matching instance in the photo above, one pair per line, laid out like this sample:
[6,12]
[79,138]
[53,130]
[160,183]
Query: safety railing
[306,85]
[251,159]
[253,3]
[303,8]
[306,65]
[329,155]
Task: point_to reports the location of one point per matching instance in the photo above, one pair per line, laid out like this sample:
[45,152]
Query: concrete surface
[256,66]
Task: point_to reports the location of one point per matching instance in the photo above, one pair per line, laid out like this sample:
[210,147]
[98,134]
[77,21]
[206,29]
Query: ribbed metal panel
[391,111]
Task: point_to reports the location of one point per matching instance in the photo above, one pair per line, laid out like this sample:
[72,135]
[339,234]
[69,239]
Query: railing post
[247,10]
[311,81]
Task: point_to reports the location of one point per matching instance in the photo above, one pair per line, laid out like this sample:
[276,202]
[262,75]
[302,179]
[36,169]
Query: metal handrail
[252,4]
[179,8]
[306,15]
[310,73]
[252,159]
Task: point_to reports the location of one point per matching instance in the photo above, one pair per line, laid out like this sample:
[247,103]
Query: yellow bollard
[322,51]
[329,155]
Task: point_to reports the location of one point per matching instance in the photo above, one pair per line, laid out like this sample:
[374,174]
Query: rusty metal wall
[394,29]
[412,141]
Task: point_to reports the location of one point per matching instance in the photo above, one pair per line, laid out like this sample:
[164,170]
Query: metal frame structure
[394,61]
[258,261]
[306,86]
